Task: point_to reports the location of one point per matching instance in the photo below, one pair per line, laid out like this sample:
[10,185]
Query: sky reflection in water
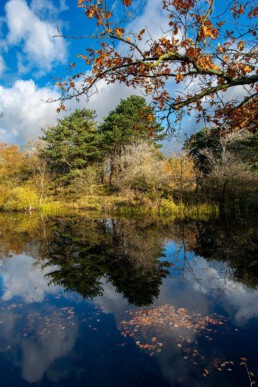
[57,329]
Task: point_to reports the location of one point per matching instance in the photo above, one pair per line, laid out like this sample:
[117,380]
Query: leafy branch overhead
[203,64]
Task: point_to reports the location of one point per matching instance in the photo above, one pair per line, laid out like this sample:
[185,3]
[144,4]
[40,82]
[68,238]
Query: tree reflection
[82,254]
[234,242]
[123,252]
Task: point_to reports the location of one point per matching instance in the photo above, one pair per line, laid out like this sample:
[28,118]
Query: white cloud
[106,98]
[34,35]
[154,18]
[47,7]
[2,65]
[25,113]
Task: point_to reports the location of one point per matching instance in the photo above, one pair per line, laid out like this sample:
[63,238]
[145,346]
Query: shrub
[21,199]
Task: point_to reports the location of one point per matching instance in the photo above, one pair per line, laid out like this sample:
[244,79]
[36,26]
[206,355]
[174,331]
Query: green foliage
[242,145]
[85,252]
[132,119]
[72,145]
[247,148]
[130,122]
[87,181]
[204,139]
[21,199]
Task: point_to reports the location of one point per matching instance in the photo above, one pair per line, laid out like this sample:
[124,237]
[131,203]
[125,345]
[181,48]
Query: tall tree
[243,145]
[71,145]
[208,48]
[204,139]
[11,163]
[132,120]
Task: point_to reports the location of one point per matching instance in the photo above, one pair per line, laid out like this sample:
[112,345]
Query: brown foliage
[195,49]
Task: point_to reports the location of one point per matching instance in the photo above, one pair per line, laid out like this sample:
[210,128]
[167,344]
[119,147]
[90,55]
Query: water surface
[127,302]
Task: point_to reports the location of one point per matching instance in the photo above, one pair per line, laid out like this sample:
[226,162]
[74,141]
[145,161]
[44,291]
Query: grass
[138,205]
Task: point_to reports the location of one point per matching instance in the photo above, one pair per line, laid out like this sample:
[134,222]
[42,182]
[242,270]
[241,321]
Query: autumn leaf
[246,69]
[60,85]
[91,12]
[192,52]
[190,60]
[241,45]
[241,10]
[118,31]
[209,31]
[179,77]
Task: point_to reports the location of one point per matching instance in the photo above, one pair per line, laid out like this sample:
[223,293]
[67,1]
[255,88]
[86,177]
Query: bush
[4,194]
[21,199]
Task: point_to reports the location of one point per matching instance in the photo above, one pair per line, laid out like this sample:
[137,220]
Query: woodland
[118,165]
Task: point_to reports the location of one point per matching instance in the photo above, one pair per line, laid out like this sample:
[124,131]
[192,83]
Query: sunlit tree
[208,49]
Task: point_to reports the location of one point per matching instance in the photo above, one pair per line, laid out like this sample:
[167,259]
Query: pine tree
[71,145]
[132,120]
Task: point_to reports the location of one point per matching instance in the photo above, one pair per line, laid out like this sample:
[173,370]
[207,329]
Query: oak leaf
[241,45]
[118,31]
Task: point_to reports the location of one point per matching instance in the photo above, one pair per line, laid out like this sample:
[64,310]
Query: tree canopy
[242,145]
[132,119]
[207,49]
[72,144]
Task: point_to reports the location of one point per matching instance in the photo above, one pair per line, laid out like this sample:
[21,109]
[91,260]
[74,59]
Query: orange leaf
[241,45]
[209,31]
[118,32]
[246,69]
[127,3]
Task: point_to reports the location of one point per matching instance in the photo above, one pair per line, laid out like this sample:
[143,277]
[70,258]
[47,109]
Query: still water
[128,302]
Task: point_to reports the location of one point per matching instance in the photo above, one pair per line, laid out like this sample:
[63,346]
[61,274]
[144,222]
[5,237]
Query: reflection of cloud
[39,354]
[215,280]
[53,337]
[111,301]
[20,278]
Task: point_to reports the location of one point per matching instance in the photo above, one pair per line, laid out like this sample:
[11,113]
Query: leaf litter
[152,328]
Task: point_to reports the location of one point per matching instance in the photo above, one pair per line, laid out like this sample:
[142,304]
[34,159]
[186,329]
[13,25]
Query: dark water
[120,302]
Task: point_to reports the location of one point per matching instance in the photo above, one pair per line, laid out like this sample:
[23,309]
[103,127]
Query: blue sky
[30,57]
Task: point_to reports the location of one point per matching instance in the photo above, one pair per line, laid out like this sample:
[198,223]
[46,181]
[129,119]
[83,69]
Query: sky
[31,60]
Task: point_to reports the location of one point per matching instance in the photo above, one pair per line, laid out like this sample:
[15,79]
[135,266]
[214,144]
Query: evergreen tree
[132,120]
[72,144]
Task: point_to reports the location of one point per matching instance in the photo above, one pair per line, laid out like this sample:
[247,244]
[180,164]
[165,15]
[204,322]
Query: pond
[128,302]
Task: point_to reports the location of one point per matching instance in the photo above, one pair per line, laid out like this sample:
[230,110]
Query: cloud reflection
[43,336]
[21,276]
